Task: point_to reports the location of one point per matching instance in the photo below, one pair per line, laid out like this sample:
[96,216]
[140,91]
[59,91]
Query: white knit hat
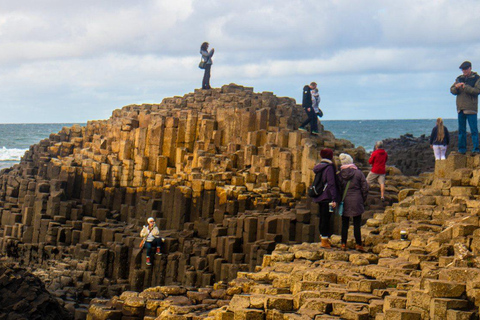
[150,219]
[345,158]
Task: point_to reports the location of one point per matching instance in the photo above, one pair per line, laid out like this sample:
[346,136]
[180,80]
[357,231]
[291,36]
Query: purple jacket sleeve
[332,186]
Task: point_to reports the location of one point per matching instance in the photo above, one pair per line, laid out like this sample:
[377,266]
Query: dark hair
[204,46]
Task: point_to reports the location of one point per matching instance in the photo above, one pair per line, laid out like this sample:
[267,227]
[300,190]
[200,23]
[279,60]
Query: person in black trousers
[308,107]
[207,58]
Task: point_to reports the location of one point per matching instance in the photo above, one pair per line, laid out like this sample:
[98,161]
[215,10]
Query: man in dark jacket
[378,160]
[308,107]
[467,89]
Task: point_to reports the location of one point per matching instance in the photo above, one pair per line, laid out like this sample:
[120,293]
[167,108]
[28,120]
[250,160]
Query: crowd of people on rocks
[344,190]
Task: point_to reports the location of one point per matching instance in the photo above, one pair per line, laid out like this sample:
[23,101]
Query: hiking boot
[382,198]
[302,129]
[325,243]
[344,247]
[158,253]
[148,261]
[360,248]
[315,133]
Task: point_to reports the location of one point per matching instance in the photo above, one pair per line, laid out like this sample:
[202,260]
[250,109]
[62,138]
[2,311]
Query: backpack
[318,185]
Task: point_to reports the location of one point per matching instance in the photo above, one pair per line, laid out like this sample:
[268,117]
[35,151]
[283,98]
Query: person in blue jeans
[467,89]
[151,239]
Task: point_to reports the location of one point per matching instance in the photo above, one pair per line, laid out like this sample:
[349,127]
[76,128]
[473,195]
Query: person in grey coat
[207,58]
[355,197]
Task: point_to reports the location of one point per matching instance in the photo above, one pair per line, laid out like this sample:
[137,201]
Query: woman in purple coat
[328,196]
[355,197]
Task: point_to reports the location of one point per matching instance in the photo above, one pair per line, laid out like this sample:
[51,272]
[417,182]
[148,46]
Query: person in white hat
[151,238]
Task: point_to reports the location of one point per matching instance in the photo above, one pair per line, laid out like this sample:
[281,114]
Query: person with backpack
[327,195]
[354,191]
[151,239]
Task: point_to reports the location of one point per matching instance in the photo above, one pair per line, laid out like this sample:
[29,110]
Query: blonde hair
[440,130]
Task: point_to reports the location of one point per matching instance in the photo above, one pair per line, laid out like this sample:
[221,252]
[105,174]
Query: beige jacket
[151,235]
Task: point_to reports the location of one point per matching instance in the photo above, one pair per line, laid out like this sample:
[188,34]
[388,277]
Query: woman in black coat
[355,196]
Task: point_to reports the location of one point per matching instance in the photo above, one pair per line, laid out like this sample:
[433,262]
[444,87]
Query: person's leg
[148,246]
[304,123]
[381,182]
[472,123]
[345,225]
[462,133]
[357,222]
[157,243]
[370,178]
[437,152]
[443,152]
[206,77]
[324,215]
[313,121]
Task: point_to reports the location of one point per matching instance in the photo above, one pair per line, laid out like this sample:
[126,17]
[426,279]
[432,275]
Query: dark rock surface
[23,296]
[413,155]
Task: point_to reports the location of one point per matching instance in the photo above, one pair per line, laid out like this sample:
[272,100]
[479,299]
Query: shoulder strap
[346,189]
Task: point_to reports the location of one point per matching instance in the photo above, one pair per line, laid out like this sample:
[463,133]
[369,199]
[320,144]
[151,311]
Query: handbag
[202,64]
[340,206]
[142,243]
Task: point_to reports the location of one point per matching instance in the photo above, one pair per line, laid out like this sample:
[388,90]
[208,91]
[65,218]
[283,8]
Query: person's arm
[332,188]
[455,88]
[473,91]
[434,134]
[363,186]
[155,232]
[372,158]
[144,232]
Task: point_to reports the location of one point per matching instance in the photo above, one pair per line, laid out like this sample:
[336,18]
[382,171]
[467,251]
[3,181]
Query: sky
[74,61]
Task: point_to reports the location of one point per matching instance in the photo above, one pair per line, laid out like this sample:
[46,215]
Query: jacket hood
[321,166]
[347,174]
[307,87]
[380,151]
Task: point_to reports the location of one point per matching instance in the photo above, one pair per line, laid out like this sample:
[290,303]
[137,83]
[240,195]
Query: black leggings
[357,222]
[324,215]
[312,119]
[206,77]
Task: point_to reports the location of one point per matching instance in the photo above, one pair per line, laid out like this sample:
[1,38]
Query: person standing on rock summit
[151,239]
[329,197]
[467,89]
[378,160]
[307,105]
[207,60]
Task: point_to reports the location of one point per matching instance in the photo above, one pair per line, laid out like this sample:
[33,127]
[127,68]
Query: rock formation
[23,296]
[432,273]
[413,155]
[223,171]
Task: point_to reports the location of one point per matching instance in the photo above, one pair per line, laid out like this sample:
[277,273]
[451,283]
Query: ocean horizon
[16,138]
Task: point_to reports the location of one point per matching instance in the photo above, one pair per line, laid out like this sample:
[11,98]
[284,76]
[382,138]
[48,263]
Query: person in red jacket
[378,159]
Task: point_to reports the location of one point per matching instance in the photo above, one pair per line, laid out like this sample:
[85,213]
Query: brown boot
[325,243]
[344,246]
[360,248]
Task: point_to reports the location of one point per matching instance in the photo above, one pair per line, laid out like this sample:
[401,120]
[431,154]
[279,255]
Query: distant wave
[13,154]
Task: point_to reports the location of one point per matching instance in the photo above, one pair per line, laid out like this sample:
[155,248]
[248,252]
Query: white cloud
[64,60]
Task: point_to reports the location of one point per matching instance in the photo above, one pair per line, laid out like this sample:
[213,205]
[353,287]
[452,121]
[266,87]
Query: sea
[15,139]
